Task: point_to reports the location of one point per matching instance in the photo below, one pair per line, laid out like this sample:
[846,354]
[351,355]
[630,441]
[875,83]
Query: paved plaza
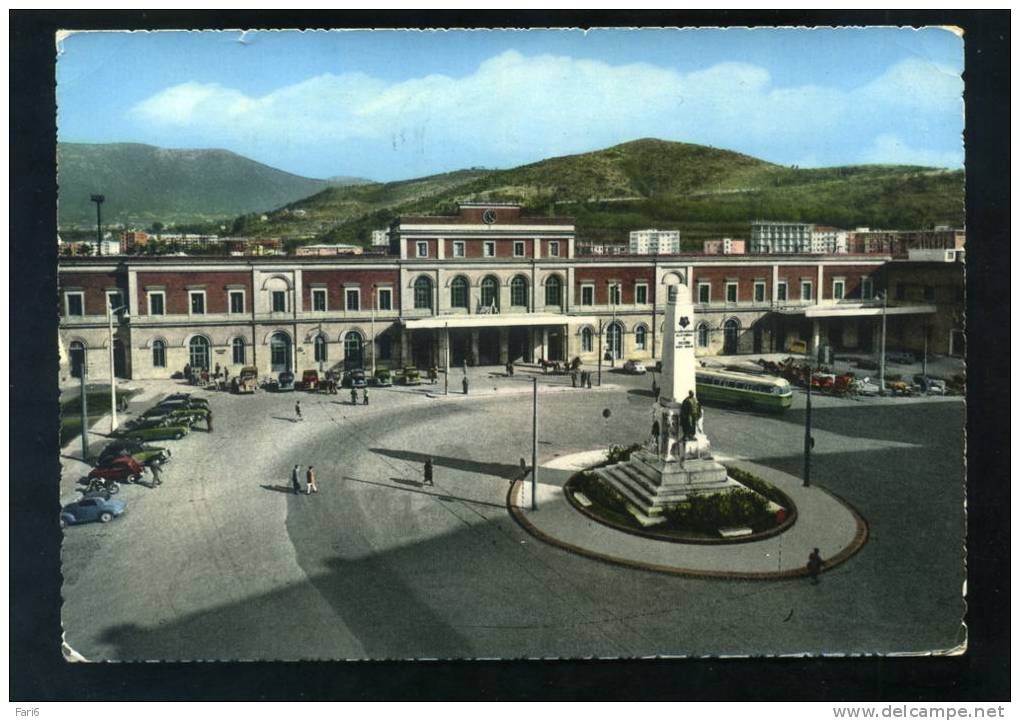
[225,562]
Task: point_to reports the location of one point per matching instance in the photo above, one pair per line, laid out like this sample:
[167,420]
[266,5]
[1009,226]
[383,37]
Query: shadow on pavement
[282,418]
[440,496]
[407,482]
[503,470]
[278,489]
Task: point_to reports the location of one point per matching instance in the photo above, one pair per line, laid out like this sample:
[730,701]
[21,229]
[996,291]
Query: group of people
[310,485]
[364,396]
[584,377]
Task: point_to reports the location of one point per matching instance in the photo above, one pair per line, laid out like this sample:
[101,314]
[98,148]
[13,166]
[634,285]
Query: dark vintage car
[383,377]
[285,382]
[154,430]
[141,453]
[123,470]
[310,380]
[411,376]
[91,508]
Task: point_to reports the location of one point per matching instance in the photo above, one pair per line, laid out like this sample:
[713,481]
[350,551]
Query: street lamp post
[809,442]
[372,301]
[534,440]
[84,413]
[446,360]
[881,356]
[99,200]
[601,324]
[113,376]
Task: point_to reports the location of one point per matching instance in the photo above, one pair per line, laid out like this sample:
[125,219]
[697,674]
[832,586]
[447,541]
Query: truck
[247,380]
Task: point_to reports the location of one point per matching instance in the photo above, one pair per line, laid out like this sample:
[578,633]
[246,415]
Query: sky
[390,105]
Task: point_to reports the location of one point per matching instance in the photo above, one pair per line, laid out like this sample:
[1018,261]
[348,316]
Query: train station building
[486,286]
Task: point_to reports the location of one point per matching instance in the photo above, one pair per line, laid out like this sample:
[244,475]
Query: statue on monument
[690,414]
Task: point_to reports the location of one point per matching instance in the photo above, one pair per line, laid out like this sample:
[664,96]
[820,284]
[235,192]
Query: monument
[677,462]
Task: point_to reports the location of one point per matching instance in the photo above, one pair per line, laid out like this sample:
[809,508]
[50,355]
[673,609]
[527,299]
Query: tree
[157,227]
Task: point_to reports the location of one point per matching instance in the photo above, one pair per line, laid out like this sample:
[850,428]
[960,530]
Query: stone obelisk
[676,465]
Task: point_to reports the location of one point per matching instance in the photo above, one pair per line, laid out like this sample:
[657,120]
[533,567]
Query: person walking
[156,480]
[297,410]
[354,395]
[208,421]
[589,380]
[364,397]
[428,473]
[464,383]
[310,479]
[814,566]
[295,481]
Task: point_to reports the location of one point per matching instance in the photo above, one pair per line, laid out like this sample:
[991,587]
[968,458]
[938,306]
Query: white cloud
[515,108]
[888,148]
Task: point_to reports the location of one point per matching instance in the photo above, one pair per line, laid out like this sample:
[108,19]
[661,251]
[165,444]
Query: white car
[635,367]
[865,387]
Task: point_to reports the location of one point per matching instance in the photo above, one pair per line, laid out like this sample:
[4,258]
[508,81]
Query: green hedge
[708,514]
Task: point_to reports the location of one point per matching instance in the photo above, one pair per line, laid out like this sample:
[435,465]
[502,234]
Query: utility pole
[84,413]
[600,354]
[881,355]
[373,329]
[534,441]
[809,442]
[99,200]
[110,310]
[446,360]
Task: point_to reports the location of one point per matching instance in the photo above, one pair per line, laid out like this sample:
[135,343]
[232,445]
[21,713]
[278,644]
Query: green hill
[702,191]
[143,184]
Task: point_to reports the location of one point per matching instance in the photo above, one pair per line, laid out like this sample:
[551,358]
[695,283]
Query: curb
[859,539]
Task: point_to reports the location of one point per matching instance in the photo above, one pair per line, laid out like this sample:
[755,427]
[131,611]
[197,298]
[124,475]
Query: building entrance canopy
[493,320]
[855,310]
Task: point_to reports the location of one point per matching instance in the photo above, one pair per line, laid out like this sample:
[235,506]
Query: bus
[743,389]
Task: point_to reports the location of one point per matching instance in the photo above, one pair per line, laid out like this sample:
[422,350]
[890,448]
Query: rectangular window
[838,289]
[385,299]
[75,304]
[587,295]
[196,300]
[641,293]
[805,290]
[614,294]
[489,249]
[704,292]
[319,300]
[781,291]
[113,299]
[236,301]
[279,301]
[554,249]
[353,296]
[759,291]
[458,249]
[423,249]
[158,354]
[237,346]
[867,291]
[731,292]
[518,248]
[157,303]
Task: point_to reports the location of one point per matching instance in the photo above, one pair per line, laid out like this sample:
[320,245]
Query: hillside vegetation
[704,192]
[144,184]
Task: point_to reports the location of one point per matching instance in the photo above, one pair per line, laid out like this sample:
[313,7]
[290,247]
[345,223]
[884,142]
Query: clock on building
[489,216]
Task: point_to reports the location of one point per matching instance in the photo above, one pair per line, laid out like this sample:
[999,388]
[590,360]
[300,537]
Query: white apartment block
[775,237]
[826,239]
[654,242]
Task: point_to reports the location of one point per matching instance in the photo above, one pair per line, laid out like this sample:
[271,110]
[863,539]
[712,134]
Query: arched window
[158,354]
[519,291]
[490,292]
[459,292]
[553,290]
[321,349]
[237,349]
[198,352]
[587,344]
[614,341]
[640,334]
[731,332]
[279,352]
[77,352]
[702,335]
[423,292]
[352,350]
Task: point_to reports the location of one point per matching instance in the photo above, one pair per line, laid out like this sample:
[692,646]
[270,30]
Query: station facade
[484,287]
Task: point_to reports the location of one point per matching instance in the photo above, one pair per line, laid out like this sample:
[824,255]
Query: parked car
[864,387]
[932,386]
[284,382]
[122,470]
[153,431]
[355,378]
[310,380]
[195,402]
[900,357]
[142,454]
[411,376]
[93,507]
[634,367]
[383,377]
[247,381]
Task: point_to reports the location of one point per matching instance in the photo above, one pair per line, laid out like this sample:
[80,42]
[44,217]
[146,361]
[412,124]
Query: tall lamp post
[881,355]
[534,440]
[99,200]
[446,359]
[372,301]
[110,310]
